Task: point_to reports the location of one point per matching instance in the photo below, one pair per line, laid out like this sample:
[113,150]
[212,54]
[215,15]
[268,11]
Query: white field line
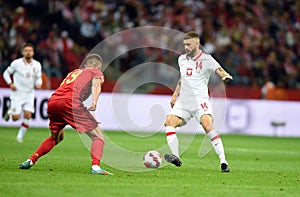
[281,152]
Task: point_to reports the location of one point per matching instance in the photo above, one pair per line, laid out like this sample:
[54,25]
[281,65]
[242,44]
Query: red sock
[43,149]
[97,151]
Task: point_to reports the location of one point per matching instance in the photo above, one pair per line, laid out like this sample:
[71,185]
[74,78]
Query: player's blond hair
[191,35]
[28,45]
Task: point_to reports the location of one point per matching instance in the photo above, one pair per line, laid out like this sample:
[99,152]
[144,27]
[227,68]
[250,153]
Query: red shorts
[61,113]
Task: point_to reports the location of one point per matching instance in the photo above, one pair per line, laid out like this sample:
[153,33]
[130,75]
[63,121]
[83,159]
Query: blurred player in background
[65,107]
[191,98]
[26,76]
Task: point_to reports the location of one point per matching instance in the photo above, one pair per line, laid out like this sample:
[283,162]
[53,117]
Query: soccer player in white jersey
[191,98]
[26,76]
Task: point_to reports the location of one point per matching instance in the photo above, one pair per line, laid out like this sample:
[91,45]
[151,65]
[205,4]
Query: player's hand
[92,107]
[227,78]
[12,87]
[38,86]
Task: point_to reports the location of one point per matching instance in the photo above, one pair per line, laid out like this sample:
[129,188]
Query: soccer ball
[152,159]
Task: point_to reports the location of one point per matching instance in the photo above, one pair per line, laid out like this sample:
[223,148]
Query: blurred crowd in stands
[257,41]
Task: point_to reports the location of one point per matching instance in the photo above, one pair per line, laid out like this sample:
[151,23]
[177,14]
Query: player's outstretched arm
[225,76]
[96,90]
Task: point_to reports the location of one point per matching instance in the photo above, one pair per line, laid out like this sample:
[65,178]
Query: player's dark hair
[28,45]
[190,35]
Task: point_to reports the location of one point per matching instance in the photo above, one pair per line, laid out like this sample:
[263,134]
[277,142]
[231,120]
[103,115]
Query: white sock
[95,167]
[217,144]
[23,128]
[172,140]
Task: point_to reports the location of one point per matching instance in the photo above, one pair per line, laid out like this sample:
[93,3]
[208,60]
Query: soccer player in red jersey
[65,107]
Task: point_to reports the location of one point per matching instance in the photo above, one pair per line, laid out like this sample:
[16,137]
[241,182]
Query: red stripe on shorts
[170,133]
[214,138]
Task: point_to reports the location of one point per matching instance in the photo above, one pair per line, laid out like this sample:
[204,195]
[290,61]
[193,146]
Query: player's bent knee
[58,137]
[96,134]
[206,122]
[16,117]
[168,123]
[172,121]
[207,128]
[27,116]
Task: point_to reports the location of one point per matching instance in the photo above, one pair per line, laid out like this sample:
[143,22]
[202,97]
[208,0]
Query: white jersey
[25,76]
[195,73]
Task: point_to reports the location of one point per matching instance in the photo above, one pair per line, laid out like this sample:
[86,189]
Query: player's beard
[191,53]
[28,57]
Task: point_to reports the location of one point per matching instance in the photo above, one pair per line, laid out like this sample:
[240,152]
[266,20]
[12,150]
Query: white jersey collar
[196,57]
[25,62]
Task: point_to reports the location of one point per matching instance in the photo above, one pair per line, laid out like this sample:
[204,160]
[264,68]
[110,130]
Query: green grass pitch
[260,166]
